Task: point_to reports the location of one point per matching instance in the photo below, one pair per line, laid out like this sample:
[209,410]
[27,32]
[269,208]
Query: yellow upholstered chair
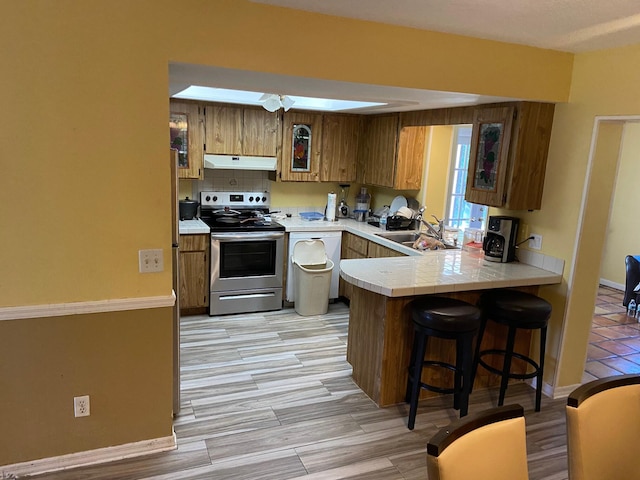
[603,429]
[487,445]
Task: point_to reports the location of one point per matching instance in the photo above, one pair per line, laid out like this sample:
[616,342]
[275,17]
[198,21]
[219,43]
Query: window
[460,213]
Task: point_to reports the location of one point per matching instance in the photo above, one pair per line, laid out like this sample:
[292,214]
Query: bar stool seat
[446,318]
[516,310]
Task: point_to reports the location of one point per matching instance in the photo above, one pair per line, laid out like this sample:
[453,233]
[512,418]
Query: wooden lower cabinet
[354,246]
[194,273]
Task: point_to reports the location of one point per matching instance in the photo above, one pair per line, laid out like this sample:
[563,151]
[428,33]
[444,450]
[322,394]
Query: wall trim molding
[92,457]
[551,391]
[563,392]
[80,308]
[609,283]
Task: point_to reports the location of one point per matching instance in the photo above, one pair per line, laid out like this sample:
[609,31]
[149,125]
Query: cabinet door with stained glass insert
[186,134]
[489,156]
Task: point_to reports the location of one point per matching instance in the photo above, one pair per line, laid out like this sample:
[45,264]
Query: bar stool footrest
[518,376]
[433,388]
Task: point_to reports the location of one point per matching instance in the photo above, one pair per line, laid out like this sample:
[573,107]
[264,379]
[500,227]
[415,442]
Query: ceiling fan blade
[272,104]
[287,102]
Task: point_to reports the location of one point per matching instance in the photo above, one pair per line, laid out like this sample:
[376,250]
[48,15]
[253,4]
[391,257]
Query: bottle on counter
[631,308]
[383,218]
[363,199]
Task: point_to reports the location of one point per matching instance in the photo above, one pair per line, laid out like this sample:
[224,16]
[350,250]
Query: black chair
[446,318]
[516,310]
[632,283]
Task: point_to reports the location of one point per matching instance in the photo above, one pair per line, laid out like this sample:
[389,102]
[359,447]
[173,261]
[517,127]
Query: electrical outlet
[536,242]
[81,406]
[150,261]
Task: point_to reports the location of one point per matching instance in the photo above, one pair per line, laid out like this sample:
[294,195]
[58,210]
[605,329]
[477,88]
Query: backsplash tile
[546,262]
[233,181]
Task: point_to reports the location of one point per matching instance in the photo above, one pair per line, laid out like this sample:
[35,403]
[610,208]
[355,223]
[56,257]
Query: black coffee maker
[499,243]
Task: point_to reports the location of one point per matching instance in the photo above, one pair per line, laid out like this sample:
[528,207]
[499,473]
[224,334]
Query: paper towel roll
[331,207]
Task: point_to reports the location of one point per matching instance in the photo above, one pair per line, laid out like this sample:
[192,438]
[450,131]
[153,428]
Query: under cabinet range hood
[237,162]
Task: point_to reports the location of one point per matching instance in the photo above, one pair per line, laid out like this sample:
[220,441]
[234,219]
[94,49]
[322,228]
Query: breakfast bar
[380,329]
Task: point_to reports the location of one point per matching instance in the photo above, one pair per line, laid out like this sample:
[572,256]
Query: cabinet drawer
[194,243]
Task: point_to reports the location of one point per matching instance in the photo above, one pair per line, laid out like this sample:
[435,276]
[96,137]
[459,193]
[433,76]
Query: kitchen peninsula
[380,327]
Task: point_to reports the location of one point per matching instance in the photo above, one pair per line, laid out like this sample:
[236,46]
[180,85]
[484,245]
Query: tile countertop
[362,229]
[440,271]
[192,227]
[430,272]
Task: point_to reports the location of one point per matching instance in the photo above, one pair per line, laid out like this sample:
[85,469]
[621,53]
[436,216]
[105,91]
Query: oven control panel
[234,199]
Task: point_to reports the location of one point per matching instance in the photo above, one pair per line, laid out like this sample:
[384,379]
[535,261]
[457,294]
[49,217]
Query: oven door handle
[251,236]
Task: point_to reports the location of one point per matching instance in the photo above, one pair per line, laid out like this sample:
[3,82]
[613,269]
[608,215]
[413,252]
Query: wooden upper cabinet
[412,149]
[528,155]
[340,136]
[261,132]
[391,157]
[510,174]
[378,150]
[188,117]
[489,155]
[223,129]
[232,130]
[299,159]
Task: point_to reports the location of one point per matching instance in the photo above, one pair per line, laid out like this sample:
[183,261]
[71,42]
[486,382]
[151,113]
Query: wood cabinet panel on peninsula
[232,130]
[189,118]
[194,271]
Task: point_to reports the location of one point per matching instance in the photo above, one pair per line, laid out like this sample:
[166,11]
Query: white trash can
[312,276]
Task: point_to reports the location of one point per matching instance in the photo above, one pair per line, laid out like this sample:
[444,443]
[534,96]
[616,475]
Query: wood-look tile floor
[269,396]
[614,343]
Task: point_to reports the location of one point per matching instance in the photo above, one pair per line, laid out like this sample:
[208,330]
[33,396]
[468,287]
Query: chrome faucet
[438,234]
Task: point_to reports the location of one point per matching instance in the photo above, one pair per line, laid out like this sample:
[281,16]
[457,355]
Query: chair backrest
[603,429]
[487,445]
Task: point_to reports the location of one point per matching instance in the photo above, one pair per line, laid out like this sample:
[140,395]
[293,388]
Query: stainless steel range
[247,251]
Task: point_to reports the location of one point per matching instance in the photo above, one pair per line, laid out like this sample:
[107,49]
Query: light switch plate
[150,261]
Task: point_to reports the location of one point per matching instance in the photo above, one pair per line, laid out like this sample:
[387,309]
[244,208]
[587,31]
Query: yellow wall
[112,357]
[437,171]
[604,83]
[85,183]
[623,231]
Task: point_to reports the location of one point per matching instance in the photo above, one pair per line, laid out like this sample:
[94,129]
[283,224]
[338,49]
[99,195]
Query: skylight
[243,97]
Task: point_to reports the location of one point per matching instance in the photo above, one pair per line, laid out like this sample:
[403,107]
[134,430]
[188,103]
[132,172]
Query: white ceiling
[566,25]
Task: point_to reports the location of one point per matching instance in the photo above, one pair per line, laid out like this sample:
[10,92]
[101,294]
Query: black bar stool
[447,318]
[516,310]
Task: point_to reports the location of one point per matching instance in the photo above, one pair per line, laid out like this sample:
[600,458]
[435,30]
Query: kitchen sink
[407,238]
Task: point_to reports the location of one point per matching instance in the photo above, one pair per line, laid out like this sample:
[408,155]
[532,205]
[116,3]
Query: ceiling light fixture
[273,102]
